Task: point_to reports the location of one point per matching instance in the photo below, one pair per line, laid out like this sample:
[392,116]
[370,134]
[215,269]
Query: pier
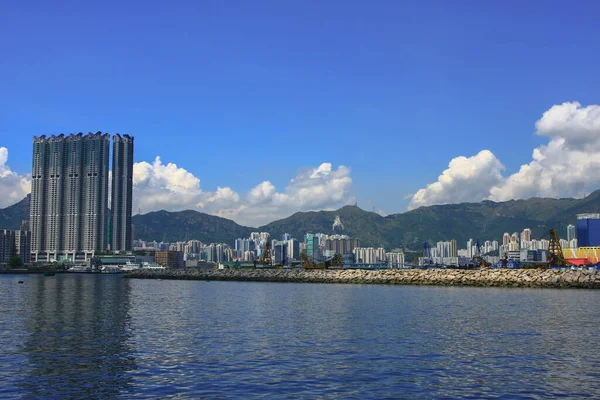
[525,278]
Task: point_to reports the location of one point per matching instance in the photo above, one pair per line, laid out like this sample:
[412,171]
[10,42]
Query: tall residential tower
[69,195]
[121,198]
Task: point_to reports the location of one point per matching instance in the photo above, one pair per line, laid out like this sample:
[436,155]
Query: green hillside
[486,220]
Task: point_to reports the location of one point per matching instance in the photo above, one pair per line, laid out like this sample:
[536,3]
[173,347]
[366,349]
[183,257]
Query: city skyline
[393,107]
[319,247]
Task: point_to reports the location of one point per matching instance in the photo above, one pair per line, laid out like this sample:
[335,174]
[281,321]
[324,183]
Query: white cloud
[13,187]
[169,187]
[567,166]
[159,186]
[579,126]
[467,179]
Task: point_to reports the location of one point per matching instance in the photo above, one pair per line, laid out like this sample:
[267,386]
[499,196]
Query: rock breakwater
[442,277]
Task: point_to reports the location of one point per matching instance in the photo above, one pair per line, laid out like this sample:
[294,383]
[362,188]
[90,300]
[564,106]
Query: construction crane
[334,261]
[265,259]
[329,262]
[306,262]
[478,259]
[555,253]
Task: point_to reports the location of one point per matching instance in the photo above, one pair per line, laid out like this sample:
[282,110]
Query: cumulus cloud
[13,187]
[578,126]
[567,166]
[158,186]
[169,187]
[467,179]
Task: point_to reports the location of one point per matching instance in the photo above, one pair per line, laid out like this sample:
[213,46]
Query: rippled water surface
[85,336]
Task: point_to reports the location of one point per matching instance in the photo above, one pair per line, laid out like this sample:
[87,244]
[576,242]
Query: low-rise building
[169,259]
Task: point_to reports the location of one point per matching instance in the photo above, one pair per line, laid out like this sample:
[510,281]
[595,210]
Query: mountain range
[486,220]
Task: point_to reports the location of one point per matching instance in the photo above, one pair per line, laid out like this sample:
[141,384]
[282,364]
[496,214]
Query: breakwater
[442,277]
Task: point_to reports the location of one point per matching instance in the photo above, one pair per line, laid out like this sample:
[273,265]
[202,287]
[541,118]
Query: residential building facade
[169,259]
[122,194]
[15,243]
[69,211]
[69,194]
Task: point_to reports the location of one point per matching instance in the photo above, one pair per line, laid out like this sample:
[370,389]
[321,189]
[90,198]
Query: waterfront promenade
[533,278]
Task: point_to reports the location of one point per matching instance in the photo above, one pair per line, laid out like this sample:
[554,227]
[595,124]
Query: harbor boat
[146,265]
[129,266]
[48,273]
[110,269]
[80,269]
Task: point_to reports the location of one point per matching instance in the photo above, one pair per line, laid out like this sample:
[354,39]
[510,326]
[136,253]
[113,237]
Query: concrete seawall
[442,277]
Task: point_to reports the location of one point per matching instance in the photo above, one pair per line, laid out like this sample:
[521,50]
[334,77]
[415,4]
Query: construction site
[555,256]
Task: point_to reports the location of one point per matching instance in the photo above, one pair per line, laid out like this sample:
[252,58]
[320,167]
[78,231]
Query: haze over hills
[186,225]
[486,220]
[12,216]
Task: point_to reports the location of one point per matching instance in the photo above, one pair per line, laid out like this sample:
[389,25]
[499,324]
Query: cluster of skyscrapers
[317,247]
[70,218]
[524,241]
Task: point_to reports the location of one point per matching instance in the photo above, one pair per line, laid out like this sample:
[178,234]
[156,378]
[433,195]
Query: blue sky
[241,92]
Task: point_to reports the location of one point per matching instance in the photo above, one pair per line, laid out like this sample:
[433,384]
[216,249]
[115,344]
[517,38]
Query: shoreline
[26,272]
[528,278]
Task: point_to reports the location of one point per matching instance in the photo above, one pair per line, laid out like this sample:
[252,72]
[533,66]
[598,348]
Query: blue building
[588,230]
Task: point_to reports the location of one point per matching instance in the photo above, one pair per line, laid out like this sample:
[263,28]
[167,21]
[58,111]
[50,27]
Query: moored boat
[129,266]
[80,269]
[110,269]
[146,265]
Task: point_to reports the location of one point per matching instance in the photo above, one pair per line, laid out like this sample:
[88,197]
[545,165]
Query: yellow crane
[555,253]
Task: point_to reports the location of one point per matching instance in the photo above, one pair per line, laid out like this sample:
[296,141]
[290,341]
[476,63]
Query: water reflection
[106,337]
[78,327]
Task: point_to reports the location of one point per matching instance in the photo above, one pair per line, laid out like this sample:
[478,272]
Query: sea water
[103,336]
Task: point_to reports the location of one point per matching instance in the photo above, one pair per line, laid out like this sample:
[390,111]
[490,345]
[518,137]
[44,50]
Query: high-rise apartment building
[470,247]
[122,193]
[293,249]
[69,196]
[69,193]
[312,247]
[514,242]
[23,245]
[570,232]
[505,239]
[453,248]
[14,243]
[279,251]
